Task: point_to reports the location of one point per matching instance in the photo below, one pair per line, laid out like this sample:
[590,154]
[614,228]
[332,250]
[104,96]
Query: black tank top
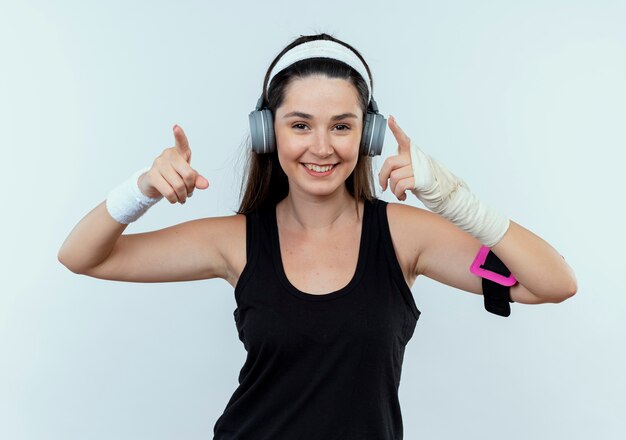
[320,367]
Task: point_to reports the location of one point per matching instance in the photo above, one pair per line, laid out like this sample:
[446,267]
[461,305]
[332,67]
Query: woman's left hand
[397,170]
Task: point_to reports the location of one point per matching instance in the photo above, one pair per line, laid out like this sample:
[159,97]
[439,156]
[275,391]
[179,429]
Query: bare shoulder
[229,234]
[412,223]
[220,239]
[235,224]
[408,226]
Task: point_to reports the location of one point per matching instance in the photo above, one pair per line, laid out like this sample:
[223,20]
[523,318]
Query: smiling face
[318,131]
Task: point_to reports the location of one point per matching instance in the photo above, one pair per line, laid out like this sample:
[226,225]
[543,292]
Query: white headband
[323,49]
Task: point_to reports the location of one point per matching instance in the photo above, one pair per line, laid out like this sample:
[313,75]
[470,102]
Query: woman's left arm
[541,272]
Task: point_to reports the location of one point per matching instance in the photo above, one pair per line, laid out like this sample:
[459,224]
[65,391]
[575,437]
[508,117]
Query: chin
[322,190]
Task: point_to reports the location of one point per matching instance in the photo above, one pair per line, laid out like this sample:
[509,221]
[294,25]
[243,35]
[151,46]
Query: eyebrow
[308,116]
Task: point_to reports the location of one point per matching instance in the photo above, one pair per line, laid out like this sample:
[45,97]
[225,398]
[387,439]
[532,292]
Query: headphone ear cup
[262,131]
[373,136]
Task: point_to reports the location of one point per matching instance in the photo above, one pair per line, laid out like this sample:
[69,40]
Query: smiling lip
[319,174]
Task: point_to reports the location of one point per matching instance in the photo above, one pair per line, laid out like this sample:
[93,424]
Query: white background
[523,100]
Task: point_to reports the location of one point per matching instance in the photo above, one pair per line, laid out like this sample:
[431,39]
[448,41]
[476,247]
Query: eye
[347,127]
[298,126]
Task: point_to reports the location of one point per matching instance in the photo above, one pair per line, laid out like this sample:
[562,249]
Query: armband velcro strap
[497,298]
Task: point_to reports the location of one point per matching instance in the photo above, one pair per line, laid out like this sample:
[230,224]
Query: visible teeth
[317,168]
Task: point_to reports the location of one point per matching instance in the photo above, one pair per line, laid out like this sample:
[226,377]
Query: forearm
[91,241]
[535,264]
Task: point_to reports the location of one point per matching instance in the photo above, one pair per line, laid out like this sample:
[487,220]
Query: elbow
[70,267]
[61,260]
[571,291]
[572,286]
[568,293]
[67,266]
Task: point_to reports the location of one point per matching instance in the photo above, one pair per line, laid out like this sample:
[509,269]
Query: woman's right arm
[197,249]
[193,250]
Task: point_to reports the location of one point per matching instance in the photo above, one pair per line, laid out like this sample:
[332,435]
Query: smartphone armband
[497,280]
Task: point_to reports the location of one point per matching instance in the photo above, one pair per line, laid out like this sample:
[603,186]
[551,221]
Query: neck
[315,213]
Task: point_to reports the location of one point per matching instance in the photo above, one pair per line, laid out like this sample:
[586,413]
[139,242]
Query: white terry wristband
[449,196]
[126,203]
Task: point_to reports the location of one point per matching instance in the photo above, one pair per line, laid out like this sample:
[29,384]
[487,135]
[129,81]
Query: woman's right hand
[171,174]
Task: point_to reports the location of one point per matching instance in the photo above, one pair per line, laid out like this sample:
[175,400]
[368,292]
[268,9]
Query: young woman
[321,268]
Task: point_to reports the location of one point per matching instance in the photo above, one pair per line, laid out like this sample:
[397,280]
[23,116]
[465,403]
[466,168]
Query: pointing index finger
[182,144]
[404,142]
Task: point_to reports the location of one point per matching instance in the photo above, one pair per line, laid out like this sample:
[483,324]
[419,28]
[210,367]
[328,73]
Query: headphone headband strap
[321,49]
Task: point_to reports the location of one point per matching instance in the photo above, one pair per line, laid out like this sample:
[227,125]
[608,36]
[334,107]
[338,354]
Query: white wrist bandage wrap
[126,203]
[449,196]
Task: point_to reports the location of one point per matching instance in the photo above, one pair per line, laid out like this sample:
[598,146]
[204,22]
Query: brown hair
[265,182]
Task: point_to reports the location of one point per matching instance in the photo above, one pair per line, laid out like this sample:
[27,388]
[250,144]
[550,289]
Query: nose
[321,145]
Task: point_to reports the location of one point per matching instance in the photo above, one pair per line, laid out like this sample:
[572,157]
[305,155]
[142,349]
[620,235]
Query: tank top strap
[386,251]
[253,227]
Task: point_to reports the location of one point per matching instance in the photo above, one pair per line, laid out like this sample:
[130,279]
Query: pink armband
[493,269]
